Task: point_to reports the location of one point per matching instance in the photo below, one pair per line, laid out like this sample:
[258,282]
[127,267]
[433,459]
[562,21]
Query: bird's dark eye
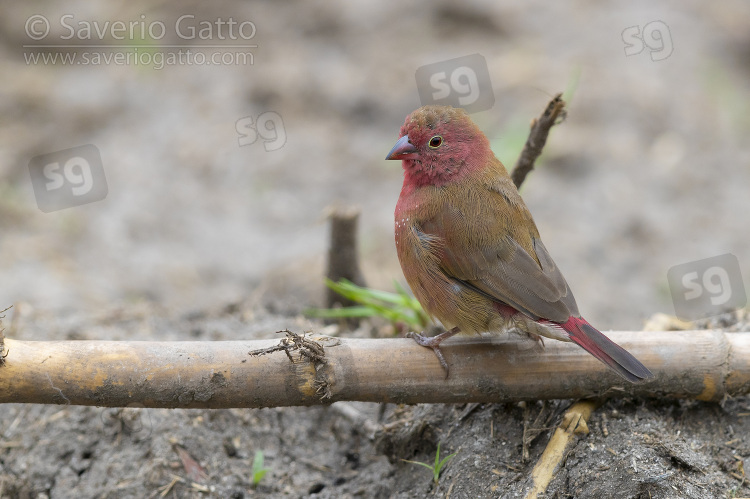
[435,142]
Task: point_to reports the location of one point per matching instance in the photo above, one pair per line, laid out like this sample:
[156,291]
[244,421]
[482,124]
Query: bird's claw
[433,342]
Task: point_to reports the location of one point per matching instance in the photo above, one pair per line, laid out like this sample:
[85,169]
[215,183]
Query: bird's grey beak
[403,150]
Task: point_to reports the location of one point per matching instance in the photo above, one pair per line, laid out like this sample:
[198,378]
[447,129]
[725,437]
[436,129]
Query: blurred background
[218,176]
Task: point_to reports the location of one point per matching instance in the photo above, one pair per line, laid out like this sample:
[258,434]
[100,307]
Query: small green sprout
[395,307]
[437,467]
[258,470]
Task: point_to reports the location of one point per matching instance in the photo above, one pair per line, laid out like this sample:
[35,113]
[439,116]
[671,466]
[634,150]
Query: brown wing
[481,250]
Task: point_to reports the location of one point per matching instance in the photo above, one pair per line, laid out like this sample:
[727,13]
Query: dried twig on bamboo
[343,259]
[540,128]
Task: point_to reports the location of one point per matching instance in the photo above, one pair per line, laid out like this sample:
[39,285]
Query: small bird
[470,249]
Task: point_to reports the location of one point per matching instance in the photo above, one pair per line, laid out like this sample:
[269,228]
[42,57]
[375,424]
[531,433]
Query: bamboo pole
[705,365]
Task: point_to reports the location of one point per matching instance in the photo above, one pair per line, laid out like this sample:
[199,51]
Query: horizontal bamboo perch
[705,365]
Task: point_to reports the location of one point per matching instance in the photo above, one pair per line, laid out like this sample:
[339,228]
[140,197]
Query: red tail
[610,353]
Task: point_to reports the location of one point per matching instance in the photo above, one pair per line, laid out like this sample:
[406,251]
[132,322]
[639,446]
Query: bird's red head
[439,144]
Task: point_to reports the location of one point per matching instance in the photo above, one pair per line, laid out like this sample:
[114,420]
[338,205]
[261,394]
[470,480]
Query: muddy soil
[635,448]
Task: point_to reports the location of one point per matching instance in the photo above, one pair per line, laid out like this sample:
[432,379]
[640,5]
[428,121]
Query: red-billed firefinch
[469,247]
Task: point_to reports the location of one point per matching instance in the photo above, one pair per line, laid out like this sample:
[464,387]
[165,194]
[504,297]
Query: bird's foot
[539,339]
[434,343]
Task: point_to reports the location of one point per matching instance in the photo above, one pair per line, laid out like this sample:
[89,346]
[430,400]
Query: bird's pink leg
[434,343]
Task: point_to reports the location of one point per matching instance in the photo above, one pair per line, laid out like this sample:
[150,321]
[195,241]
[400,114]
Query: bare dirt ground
[634,448]
[200,237]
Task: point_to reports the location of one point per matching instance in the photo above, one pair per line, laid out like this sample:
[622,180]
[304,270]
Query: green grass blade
[338,313]
[399,307]
[419,463]
[442,463]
